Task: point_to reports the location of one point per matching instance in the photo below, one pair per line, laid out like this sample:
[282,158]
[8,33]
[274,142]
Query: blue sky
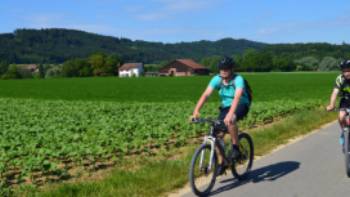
[270,21]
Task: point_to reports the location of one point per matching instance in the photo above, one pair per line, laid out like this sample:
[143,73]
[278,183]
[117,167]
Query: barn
[183,67]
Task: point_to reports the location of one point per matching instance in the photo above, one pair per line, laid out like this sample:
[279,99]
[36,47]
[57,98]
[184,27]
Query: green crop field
[266,86]
[50,127]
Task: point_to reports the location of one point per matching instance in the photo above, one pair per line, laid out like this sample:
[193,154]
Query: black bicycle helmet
[226,63]
[345,65]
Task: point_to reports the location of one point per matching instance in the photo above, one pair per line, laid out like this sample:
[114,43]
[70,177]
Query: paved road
[311,167]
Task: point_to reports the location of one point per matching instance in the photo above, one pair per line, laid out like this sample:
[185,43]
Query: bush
[54,71]
[12,72]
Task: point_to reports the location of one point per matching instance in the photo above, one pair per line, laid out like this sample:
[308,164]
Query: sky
[172,21]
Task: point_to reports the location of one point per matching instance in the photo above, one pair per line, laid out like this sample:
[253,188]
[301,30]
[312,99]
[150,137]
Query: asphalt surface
[311,167]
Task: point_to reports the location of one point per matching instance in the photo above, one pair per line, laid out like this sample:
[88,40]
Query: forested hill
[58,45]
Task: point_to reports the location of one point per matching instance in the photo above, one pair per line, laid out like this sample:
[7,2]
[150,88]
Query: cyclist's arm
[333,99]
[202,100]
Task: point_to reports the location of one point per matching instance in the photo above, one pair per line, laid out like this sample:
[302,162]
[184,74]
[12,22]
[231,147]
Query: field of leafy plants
[48,139]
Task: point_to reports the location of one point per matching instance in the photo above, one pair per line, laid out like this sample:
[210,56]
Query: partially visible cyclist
[235,101]
[342,86]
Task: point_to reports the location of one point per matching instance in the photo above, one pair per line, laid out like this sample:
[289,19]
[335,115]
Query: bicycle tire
[199,189]
[347,152]
[246,158]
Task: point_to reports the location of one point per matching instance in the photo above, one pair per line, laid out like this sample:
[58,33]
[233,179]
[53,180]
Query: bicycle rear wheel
[241,166]
[201,175]
[347,152]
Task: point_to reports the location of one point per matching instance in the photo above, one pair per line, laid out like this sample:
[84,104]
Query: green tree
[254,60]
[97,61]
[54,71]
[76,68]
[211,62]
[12,72]
[328,63]
[112,64]
[308,63]
[249,60]
[41,71]
[85,69]
[238,61]
[283,63]
[3,67]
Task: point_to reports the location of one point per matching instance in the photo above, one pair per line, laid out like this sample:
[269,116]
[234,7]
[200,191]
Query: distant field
[266,87]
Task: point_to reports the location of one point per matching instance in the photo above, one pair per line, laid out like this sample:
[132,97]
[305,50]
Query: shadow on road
[267,173]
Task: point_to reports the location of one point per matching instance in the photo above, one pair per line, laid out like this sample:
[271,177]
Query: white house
[131,70]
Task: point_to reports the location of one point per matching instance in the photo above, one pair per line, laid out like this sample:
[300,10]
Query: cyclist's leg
[233,130]
[241,112]
[341,118]
[222,115]
[344,103]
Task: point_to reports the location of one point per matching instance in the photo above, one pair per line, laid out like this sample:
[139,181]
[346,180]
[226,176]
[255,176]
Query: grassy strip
[156,178]
[266,139]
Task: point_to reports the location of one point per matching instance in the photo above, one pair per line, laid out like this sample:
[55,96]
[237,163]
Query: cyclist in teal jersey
[235,101]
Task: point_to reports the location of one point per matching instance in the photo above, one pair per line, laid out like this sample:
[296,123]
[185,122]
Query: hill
[58,45]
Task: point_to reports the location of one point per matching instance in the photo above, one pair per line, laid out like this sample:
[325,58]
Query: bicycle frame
[211,139]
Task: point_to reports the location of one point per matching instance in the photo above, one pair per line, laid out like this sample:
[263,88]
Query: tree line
[266,60]
[98,64]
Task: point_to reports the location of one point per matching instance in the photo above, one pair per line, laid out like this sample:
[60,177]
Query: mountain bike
[204,163]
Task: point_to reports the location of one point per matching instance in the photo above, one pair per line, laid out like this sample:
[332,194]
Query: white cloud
[185,5]
[169,8]
[152,16]
[43,20]
[268,30]
[173,34]
[287,27]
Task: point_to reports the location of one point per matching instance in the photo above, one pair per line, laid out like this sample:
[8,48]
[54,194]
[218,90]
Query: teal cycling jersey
[227,91]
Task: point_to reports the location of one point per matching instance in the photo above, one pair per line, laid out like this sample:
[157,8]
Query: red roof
[191,63]
[129,66]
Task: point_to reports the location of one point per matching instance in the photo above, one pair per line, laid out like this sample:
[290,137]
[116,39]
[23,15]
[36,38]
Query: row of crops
[49,138]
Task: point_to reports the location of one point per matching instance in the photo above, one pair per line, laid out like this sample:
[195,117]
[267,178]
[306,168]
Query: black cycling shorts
[344,103]
[241,112]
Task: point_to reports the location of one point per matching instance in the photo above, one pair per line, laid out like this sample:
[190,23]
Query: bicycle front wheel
[347,152]
[202,172]
[244,163]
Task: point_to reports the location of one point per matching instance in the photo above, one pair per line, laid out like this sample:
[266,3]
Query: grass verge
[157,177]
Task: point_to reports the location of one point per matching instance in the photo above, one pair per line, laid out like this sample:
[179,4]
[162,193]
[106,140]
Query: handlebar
[202,120]
[347,110]
[206,120]
[218,125]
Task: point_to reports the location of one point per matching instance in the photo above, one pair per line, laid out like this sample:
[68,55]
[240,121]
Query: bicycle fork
[211,141]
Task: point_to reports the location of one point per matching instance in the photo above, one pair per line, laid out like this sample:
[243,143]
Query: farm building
[27,70]
[29,67]
[183,67]
[131,70]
